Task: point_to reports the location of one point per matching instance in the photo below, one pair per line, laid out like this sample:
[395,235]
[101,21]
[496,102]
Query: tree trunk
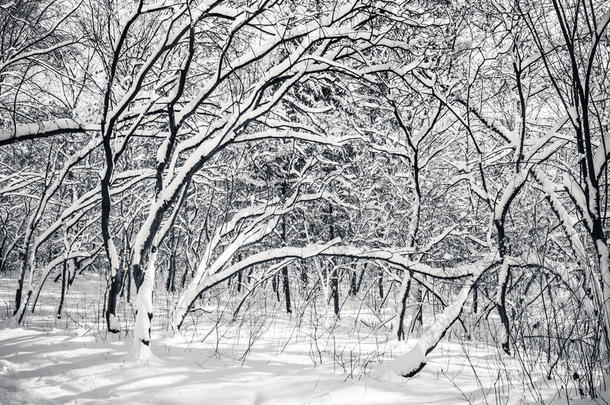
[64,283]
[501,304]
[21,302]
[304,278]
[170,283]
[286,289]
[20,281]
[413,361]
[286,284]
[604,269]
[275,287]
[116,283]
[502,284]
[335,291]
[334,277]
[360,278]
[353,283]
[475,299]
[402,311]
[144,312]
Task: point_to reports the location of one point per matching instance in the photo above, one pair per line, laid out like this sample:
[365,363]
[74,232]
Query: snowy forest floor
[260,360]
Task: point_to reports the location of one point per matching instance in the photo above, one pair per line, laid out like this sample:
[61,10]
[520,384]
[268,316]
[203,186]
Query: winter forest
[304,202]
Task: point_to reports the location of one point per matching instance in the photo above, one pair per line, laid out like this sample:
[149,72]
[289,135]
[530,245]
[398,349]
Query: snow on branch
[45,129]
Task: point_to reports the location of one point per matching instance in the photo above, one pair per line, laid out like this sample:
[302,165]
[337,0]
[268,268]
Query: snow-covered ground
[271,360]
[71,367]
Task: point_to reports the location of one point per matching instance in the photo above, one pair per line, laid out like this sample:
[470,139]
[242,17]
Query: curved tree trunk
[414,360]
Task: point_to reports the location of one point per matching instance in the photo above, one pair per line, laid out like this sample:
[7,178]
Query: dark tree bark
[286,287]
[64,285]
[501,305]
[403,312]
[334,277]
[115,288]
[360,278]
[170,282]
[286,284]
[353,283]
[129,278]
[274,286]
[475,299]
[304,277]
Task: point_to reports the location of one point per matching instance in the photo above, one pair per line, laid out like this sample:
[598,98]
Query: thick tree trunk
[18,293]
[503,276]
[19,310]
[116,283]
[144,312]
[23,294]
[19,314]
